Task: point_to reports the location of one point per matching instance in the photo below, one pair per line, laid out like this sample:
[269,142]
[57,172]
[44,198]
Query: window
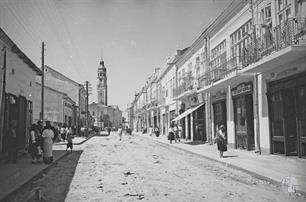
[240,40]
[218,55]
[283,10]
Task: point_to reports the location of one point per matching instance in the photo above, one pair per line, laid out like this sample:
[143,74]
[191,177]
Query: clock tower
[102,84]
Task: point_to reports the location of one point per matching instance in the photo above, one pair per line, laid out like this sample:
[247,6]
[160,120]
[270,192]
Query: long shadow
[53,183]
[230,156]
[195,143]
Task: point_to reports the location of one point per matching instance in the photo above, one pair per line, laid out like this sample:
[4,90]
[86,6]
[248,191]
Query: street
[136,168]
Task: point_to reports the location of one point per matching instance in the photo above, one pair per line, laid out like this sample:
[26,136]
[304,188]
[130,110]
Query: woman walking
[48,134]
[220,139]
[120,132]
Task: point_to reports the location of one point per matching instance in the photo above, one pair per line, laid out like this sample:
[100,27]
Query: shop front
[243,116]
[18,109]
[199,132]
[287,115]
[219,110]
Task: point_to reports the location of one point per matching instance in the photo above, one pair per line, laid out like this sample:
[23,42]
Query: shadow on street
[53,184]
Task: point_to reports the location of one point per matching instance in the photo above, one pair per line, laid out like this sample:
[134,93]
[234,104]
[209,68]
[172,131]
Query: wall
[53,106]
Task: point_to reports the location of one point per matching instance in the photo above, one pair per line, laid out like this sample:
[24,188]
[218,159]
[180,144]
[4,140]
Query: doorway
[287,115]
[244,122]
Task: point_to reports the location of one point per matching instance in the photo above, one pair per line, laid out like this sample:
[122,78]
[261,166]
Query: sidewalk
[273,168]
[14,176]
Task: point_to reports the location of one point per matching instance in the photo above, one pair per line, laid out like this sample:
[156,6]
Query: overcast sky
[135,36]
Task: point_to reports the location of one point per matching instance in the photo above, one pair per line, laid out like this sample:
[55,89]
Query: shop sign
[242,89]
[220,95]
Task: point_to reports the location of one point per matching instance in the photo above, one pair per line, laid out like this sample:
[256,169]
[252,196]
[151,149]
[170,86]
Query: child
[69,141]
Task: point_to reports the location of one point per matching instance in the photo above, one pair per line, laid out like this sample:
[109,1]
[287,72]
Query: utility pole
[86,87]
[88,91]
[2,103]
[42,79]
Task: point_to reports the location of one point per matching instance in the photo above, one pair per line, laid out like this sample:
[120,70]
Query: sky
[133,36]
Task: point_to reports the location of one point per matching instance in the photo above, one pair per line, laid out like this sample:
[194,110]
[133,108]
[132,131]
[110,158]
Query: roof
[62,75]
[225,16]
[15,49]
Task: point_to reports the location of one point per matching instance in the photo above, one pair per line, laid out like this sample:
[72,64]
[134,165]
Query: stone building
[17,91]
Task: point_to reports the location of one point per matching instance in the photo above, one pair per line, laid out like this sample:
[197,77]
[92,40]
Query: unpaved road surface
[138,169]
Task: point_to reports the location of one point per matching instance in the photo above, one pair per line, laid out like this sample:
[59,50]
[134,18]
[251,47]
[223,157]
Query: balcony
[290,33]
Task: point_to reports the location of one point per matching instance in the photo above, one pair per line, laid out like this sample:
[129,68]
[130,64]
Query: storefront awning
[188,111]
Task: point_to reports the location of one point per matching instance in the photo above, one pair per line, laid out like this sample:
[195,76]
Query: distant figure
[171,134]
[176,133]
[156,131]
[12,142]
[220,139]
[120,133]
[47,134]
[109,130]
[69,141]
[34,144]
[63,132]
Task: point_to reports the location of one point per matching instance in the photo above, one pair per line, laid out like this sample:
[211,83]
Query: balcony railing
[290,33]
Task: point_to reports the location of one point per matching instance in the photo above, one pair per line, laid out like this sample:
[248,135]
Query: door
[244,122]
[22,122]
[290,122]
[301,106]
[219,115]
[199,132]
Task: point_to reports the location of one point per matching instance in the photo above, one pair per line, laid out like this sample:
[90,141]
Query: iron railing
[290,33]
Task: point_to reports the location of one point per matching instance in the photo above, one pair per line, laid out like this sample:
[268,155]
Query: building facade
[247,71]
[17,91]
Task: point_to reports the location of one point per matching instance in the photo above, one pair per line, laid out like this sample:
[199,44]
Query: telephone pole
[88,91]
[2,102]
[42,79]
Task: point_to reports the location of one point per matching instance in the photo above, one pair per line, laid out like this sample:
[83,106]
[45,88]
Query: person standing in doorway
[47,134]
[220,139]
[12,142]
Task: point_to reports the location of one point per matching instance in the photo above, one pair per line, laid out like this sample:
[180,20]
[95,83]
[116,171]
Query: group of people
[175,133]
[125,130]
[41,141]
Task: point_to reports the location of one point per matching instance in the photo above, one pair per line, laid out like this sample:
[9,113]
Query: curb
[254,174]
[36,175]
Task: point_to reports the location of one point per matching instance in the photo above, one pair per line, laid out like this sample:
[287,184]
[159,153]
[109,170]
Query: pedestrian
[176,133]
[171,134]
[48,134]
[157,131]
[69,141]
[12,142]
[34,147]
[63,132]
[120,132]
[220,139]
[109,130]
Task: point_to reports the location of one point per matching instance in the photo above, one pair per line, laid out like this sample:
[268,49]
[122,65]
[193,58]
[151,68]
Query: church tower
[102,84]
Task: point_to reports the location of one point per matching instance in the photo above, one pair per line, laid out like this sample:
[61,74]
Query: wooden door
[290,121]
[301,106]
